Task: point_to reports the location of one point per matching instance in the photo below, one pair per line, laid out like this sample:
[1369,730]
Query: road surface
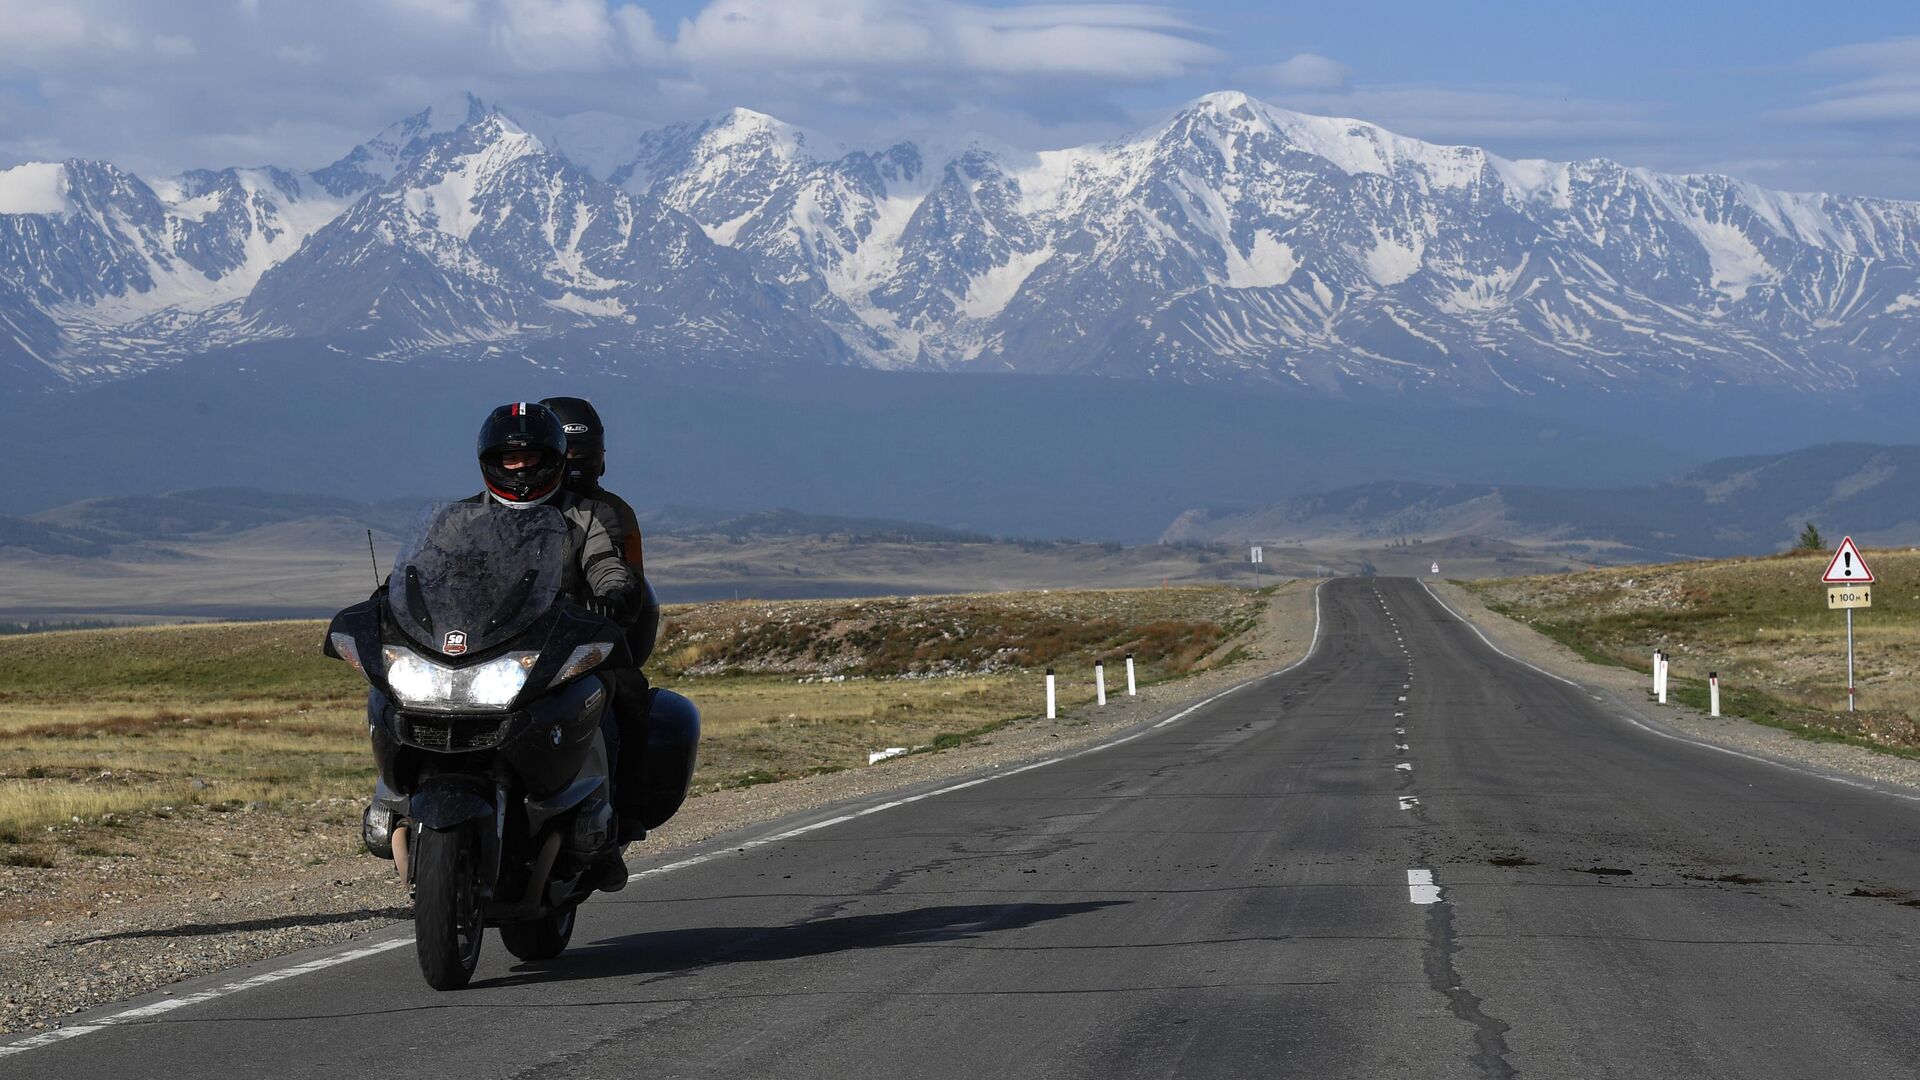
[1408,856]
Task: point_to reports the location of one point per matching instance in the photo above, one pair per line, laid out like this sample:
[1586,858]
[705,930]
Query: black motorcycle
[485,716]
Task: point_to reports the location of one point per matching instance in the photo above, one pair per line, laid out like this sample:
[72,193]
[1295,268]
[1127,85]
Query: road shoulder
[59,967]
[1631,690]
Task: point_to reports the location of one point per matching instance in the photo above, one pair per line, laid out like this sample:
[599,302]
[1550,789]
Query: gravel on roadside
[122,924]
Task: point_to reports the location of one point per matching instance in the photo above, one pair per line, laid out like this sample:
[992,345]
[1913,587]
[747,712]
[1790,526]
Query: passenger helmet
[586,441]
[522,426]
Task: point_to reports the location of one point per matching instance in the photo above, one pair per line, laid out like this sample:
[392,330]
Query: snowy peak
[375,161]
[445,186]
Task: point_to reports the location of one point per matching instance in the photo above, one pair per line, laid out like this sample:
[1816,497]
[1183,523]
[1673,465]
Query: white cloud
[1123,42]
[1885,89]
[1306,71]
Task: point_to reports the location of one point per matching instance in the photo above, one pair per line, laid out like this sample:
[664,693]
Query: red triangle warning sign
[1847,567]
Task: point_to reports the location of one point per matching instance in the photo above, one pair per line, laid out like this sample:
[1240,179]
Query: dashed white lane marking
[266,978]
[1420,887]
[1408,802]
[1402,747]
[1399,731]
[157,1008]
[1403,697]
[1405,766]
[1399,714]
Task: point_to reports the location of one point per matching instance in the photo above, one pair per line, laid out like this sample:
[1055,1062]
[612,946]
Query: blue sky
[1788,95]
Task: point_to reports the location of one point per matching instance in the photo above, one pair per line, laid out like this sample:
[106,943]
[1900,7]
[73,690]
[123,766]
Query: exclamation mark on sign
[1848,556]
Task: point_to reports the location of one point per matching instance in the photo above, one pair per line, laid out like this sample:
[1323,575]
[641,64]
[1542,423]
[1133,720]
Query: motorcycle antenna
[375,558]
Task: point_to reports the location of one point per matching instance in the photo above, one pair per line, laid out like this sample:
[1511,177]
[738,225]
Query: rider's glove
[606,609]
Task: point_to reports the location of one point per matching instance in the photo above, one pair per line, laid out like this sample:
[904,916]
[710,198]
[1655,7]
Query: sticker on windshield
[455,644]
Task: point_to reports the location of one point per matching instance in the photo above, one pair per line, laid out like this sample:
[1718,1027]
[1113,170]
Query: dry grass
[1762,624]
[120,726]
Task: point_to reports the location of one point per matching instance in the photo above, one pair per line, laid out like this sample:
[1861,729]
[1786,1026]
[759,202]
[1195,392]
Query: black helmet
[586,441]
[522,426]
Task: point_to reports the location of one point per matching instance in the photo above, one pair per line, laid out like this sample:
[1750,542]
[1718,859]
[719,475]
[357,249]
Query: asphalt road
[1407,857]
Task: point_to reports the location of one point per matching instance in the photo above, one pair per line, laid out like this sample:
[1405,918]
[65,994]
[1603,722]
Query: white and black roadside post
[1656,673]
[1050,712]
[1256,557]
[1713,693]
[1131,690]
[1100,681]
[1660,686]
[1849,585]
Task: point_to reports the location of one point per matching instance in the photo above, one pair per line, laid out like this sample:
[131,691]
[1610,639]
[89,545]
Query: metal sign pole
[1849,659]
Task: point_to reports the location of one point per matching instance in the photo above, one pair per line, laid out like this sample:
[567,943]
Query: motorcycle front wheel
[539,939]
[447,929]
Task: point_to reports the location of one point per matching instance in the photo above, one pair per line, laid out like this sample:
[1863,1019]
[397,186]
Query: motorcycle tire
[540,939]
[447,928]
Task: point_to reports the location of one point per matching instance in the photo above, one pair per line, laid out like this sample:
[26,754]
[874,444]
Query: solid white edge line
[156,1008]
[802,830]
[142,1012]
[1489,641]
[1651,730]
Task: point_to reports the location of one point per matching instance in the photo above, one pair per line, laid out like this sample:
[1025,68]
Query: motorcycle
[485,715]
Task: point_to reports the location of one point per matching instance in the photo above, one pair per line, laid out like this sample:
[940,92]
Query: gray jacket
[595,567]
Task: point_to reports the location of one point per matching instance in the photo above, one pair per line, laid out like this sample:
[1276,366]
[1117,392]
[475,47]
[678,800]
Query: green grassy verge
[104,726]
[1761,623]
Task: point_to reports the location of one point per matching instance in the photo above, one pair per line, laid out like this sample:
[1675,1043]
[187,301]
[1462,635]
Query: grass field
[1763,624]
[111,725]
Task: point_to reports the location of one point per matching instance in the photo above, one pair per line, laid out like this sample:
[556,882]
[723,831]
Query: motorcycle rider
[523,461]
[659,729]
[523,453]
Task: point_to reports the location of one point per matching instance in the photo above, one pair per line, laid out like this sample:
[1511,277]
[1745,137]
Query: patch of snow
[194,209]
[38,187]
[727,232]
[1270,263]
[450,201]
[1903,302]
[1391,262]
[1533,179]
[990,293]
[1737,263]
[605,308]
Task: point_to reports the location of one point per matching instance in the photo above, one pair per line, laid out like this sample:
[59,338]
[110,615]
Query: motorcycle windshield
[474,575]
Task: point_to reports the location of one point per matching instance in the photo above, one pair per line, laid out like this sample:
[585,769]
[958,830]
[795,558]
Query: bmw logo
[556,735]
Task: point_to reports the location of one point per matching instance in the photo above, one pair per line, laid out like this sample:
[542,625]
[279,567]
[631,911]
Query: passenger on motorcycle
[659,730]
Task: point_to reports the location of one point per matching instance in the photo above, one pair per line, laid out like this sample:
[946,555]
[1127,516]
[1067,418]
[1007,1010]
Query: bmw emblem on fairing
[556,734]
[455,643]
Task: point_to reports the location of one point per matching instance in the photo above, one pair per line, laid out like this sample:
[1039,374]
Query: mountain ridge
[1236,241]
[1745,505]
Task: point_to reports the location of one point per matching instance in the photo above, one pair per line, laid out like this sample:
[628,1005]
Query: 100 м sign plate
[1849,596]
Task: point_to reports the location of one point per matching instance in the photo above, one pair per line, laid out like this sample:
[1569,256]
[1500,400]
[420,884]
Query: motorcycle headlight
[420,683]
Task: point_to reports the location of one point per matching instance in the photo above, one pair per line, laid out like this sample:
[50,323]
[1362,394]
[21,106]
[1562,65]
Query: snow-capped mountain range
[1237,240]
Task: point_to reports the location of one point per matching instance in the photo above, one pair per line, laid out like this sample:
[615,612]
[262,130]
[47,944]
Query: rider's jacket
[644,626]
[596,564]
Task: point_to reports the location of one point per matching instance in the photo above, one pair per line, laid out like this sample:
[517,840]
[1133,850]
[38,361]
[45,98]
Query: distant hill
[93,528]
[1735,506]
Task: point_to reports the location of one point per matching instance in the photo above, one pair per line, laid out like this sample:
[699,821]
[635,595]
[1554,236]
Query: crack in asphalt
[1489,1033]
